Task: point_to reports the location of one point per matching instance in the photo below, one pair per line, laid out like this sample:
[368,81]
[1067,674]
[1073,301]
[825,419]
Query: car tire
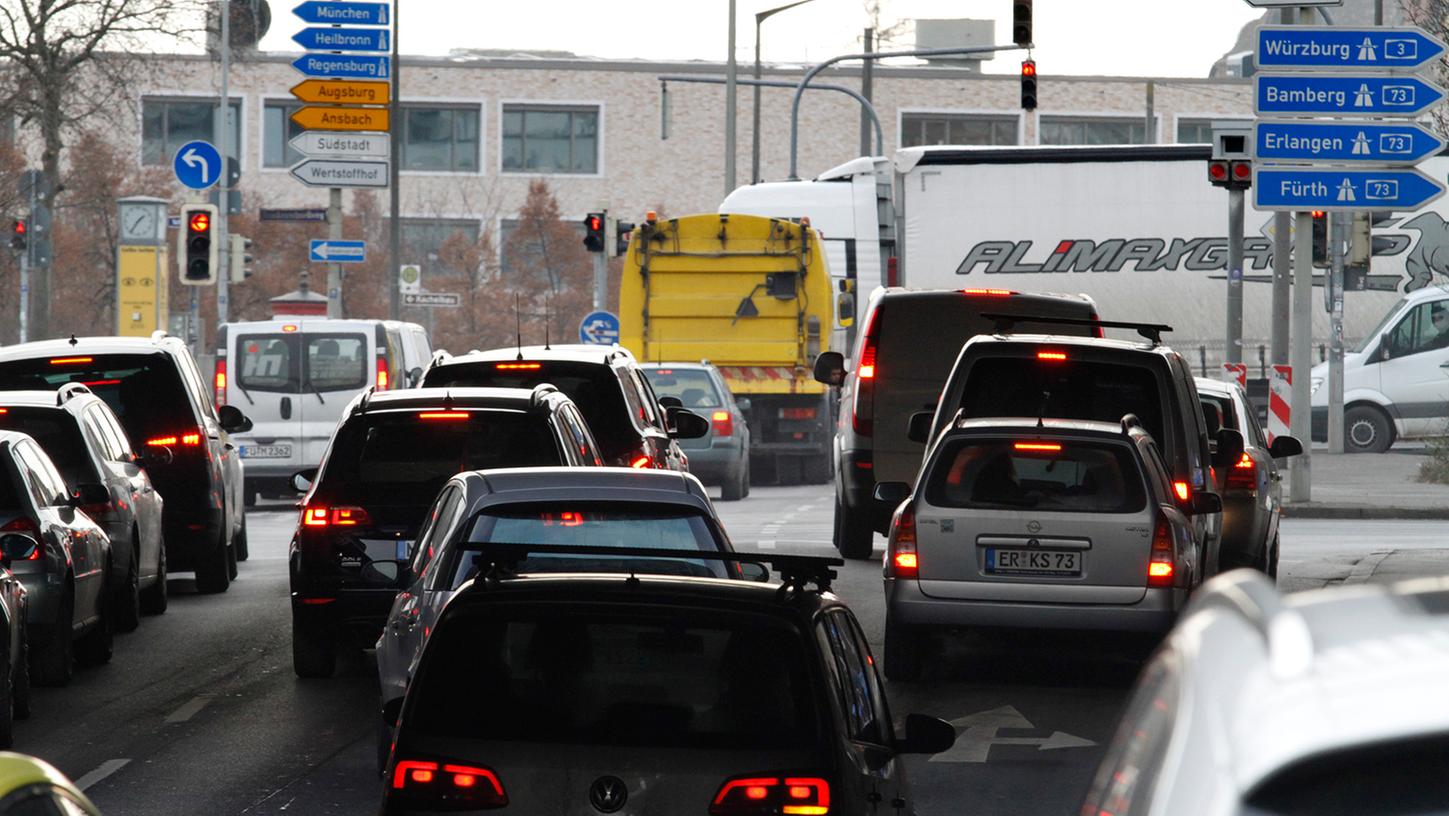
[746,480]
[20,681]
[314,656]
[239,542]
[126,600]
[818,469]
[1269,566]
[904,653]
[1367,430]
[213,565]
[736,484]
[854,537]
[154,598]
[54,664]
[96,647]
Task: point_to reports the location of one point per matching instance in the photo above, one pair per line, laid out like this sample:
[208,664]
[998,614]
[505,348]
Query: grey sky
[1108,37]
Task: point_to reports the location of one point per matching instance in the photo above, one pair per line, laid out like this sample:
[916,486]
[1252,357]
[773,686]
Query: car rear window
[143,390]
[592,386]
[1399,778]
[1224,405]
[1041,474]
[920,337]
[692,386]
[1064,389]
[59,436]
[668,678]
[268,362]
[337,362]
[404,457]
[593,524]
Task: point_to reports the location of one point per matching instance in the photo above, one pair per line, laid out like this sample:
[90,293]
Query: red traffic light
[200,222]
[1217,171]
[1242,171]
[19,227]
[1028,68]
[1320,213]
[596,223]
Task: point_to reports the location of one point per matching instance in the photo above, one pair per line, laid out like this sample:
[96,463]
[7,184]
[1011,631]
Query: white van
[293,378]
[416,351]
[1396,383]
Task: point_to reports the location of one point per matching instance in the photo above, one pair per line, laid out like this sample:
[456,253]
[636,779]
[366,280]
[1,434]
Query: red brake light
[314,517]
[723,423]
[444,415]
[989,292]
[1044,447]
[4,410]
[1052,356]
[220,379]
[336,517]
[69,360]
[518,366]
[793,795]
[290,327]
[382,375]
[1244,474]
[862,415]
[639,462]
[903,560]
[1182,490]
[1160,568]
[462,786]
[190,439]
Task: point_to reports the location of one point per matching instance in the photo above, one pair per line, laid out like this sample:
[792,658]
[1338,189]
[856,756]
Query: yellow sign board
[315,118]
[343,92]
[141,290]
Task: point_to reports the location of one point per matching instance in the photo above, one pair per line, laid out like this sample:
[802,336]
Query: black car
[638,693]
[14,640]
[633,428]
[156,391]
[385,465]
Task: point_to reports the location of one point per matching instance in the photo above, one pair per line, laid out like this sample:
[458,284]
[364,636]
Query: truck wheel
[817,469]
[314,655]
[904,653]
[854,537]
[213,565]
[1366,430]
[736,483]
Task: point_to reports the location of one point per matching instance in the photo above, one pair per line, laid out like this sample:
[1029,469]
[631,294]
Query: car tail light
[319,516]
[518,366]
[70,360]
[1161,567]
[762,795]
[189,439]
[902,558]
[1038,447]
[797,413]
[1244,474]
[382,374]
[893,272]
[444,416]
[1183,491]
[639,462]
[220,379]
[989,292]
[862,414]
[456,787]
[1051,356]
[1096,330]
[723,423]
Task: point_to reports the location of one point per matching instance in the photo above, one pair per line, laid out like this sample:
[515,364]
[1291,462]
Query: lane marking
[104,770]
[189,710]
[980,733]
[766,544]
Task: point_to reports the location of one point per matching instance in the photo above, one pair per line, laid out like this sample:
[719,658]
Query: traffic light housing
[622,231]
[240,266]
[1021,22]
[198,251]
[1320,238]
[18,234]
[1028,84]
[594,224]
[1231,174]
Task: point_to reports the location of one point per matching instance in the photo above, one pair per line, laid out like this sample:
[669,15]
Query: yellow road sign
[141,290]
[315,118]
[343,92]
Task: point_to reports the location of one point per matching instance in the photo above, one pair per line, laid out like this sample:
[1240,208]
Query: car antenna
[1046,397]
[73,341]
[518,323]
[546,320]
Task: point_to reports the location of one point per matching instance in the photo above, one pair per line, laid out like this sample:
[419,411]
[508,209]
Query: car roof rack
[1151,331]
[796,571]
[70,391]
[1251,595]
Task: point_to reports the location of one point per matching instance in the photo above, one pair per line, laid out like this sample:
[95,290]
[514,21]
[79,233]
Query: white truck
[1137,228]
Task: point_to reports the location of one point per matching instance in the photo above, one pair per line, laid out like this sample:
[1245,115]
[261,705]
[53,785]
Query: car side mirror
[686,424]
[151,456]
[830,368]
[671,402]
[1230,448]
[89,493]
[302,480]
[415,376]
[754,572]
[892,493]
[918,429]
[927,735]
[17,547]
[391,710]
[233,420]
[1206,503]
[1284,447]
[845,307]
[743,403]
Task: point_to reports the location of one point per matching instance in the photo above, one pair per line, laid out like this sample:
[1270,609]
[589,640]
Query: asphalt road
[199,712]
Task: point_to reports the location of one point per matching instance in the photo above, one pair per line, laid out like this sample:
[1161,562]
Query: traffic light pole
[601,268]
[1301,426]
[1282,267]
[1236,207]
[223,139]
[1338,223]
[334,270]
[24,290]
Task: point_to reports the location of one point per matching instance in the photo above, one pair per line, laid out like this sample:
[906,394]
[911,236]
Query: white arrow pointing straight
[974,744]
[190,159]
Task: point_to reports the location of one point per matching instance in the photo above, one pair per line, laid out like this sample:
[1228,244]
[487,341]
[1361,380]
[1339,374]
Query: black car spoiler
[796,571]
[1151,331]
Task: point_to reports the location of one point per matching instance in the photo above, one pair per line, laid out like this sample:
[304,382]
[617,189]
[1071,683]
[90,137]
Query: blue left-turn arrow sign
[197,165]
[1343,142]
[324,251]
[1334,188]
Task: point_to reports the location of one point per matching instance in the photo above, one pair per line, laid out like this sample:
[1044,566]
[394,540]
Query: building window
[440,139]
[423,238]
[167,124]
[550,139]
[280,129]
[919,129]
[1077,130]
[1200,131]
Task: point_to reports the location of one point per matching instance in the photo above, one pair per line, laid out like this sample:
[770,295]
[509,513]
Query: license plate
[1033,562]
[266,451]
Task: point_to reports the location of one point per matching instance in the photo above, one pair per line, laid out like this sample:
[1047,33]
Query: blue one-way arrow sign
[343,66]
[343,39]
[1343,142]
[321,251]
[1386,49]
[1319,94]
[1300,190]
[338,13]
[599,328]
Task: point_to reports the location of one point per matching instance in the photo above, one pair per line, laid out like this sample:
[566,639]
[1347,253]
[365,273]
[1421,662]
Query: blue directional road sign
[343,39]
[1343,142]
[344,66]
[1387,49]
[320,251]
[599,328]
[1335,94]
[1332,188]
[197,165]
[337,13]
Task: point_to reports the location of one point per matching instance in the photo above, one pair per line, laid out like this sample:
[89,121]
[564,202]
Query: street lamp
[760,18]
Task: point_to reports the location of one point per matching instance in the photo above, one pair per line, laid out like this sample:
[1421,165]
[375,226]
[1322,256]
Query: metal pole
[867,109]
[223,137]
[731,98]
[1149,131]
[1378,12]
[1336,229]
[755,124]
[334,270]
[1236,208]
[601,267]
[867,83]
[1300,489]
[394,225]
[24,290]
[1282,279]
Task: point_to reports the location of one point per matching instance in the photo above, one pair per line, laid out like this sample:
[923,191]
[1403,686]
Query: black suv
[387,461]
[156,391]
[633,428]
[574,692]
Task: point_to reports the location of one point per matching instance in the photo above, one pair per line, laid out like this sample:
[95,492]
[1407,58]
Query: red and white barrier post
[1280,401]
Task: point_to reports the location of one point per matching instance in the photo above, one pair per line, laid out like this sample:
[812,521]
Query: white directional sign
[980,731]
[341,173]
[448,299]
[342,145]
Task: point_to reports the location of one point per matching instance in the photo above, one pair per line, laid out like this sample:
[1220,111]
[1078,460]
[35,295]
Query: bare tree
[886,35]
[1433,17]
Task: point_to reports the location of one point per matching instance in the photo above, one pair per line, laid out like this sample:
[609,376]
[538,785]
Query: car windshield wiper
[313,386]
[245,392]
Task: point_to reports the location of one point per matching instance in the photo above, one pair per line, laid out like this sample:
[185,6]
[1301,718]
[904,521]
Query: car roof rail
[797,572]
[1130,421]
[540,394]
[159,335]
[1151,331]
[1251,595]
[70,391]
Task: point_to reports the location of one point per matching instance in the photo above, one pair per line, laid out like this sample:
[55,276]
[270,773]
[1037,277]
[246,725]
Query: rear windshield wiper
[313,386]
[245,392]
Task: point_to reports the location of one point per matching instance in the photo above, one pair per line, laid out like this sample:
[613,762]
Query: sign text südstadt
[1360,49]
[1300,189]
[1331,142]
[1339,95]
[341,145]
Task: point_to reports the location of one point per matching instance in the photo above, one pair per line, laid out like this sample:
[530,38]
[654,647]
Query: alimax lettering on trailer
[1114,255]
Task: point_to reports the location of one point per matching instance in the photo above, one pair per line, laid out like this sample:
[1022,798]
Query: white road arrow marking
[190,159]
[974,743]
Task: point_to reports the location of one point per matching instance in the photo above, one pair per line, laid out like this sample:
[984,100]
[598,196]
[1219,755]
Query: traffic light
[198,251]
[18,234]
[594,231]
[622,231]
[1320,238]
[241,258]
[1028,84]
[1021,23]
[1232,174]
